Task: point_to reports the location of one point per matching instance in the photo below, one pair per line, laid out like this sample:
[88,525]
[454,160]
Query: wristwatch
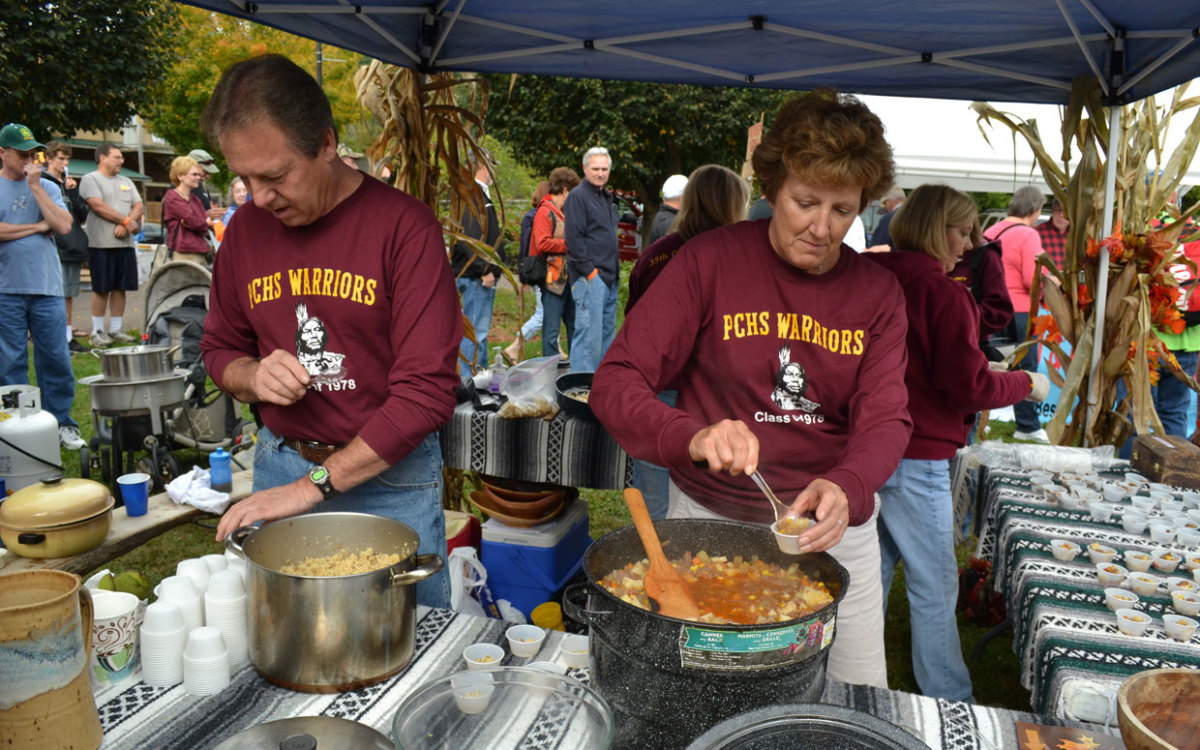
[320,477]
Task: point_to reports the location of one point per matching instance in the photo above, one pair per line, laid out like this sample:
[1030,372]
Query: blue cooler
[529,566]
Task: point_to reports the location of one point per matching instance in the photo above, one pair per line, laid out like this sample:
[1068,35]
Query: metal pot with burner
[661,674]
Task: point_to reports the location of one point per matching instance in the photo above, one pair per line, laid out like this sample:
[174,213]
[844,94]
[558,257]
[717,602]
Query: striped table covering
[138,717]
[1065,635]
[563,450]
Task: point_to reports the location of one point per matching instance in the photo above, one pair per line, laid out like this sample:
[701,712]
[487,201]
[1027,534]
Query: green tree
[215,41]
[82,65]
[652,130]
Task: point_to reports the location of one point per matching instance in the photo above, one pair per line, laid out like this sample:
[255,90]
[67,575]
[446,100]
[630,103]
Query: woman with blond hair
[948,381]
[184,219]
[758,305]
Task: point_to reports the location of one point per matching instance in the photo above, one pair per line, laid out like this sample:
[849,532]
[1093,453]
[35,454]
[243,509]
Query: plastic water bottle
[220,473]
[498,370]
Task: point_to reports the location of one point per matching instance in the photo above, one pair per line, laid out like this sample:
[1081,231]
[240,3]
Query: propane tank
[28,437]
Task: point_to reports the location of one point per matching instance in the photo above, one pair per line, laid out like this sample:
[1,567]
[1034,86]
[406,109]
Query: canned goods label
[712,648]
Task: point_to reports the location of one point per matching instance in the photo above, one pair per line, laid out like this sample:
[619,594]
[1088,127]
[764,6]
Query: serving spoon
[779,508]
[664,585]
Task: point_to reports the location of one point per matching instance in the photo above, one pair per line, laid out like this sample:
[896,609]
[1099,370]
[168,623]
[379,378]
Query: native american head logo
[311,339]
[791,383]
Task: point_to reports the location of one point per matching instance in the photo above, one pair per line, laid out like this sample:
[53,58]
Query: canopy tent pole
[1110,190]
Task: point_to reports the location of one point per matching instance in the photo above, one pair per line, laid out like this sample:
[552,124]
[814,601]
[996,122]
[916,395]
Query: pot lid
[809,725]
[55,501]
[308,733]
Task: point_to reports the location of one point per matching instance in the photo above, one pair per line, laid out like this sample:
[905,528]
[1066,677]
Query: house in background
[147,160]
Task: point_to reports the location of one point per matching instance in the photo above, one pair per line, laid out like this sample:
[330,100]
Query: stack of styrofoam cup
[162,640]
[182,592]
[205,662]
[197,570]
[234,561]
[215,562]
[225,610]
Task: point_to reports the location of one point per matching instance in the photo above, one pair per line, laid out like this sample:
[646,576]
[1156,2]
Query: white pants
[857,654]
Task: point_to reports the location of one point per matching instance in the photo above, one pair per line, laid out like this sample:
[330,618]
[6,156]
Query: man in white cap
[672,193]
[31,212]
[206,160]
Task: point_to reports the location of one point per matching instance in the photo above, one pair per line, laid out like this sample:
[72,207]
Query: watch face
[318,474]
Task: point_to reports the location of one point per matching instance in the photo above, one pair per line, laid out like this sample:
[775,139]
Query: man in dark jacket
[72,246]
[591,232]
[672,193]
[475,276]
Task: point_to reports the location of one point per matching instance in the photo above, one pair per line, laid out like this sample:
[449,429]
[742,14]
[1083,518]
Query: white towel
[195,488]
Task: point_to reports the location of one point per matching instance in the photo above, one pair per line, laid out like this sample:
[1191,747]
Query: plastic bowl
[525,640]
[1167,561]
[1188,537]
[504,712]
[1133,521]
[1143,503]
[1192,562]
[1142,584]
[570,386]
[1132,622]
[1186,602]
[1118,598]
[1113,492]
[1181,584]
[1110,574]
[1138,561]
[1100,510]
[1063,550]
[1179,627]
[1162,532]
[1099,553]
[483,655]
[575,651]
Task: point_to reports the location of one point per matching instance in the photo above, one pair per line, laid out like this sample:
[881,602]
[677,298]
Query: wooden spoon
[664,585]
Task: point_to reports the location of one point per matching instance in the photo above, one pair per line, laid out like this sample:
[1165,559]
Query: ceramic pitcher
[46,697]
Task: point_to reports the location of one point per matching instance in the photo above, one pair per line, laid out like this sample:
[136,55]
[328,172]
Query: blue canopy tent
[999,50]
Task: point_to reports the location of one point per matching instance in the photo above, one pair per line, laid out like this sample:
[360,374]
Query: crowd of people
[778,344]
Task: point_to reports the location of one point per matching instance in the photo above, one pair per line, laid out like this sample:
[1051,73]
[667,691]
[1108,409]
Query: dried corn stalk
[1130,353]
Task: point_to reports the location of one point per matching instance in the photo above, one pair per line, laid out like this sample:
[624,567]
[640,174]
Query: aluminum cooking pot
[56,517]
[126,364]
[336,633]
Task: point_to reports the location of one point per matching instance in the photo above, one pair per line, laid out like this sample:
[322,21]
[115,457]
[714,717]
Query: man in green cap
[31,286]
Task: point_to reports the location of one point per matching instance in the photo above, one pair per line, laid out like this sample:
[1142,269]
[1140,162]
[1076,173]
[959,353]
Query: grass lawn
[996,676]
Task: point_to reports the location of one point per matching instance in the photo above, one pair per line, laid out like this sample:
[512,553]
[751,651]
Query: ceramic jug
[46,697]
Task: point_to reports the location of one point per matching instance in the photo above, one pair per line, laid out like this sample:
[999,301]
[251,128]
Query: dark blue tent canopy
[1000,50]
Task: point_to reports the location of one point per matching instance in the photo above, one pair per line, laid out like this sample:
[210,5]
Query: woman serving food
[788,351]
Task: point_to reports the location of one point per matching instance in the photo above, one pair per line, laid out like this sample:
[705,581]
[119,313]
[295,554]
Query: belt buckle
[315,445]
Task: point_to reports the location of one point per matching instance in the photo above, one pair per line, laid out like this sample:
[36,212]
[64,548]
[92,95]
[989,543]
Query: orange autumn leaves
[1151,252]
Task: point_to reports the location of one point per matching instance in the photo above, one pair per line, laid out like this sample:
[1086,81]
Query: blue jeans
[1172,397]
[595,322]
[652,480]
[557,309]
[44,317]
[409,492]
[1026,412]
[477,306]
[916,525]
[533,326]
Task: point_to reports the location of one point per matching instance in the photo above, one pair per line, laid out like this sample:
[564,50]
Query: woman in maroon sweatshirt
[787,349]
[948,380]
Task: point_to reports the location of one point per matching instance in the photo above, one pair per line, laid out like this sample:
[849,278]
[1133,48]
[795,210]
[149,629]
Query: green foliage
[652,130]
[217,41]
[86,65]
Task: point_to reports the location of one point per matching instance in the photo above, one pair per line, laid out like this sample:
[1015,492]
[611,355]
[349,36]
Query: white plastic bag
[529,388]
[466,575]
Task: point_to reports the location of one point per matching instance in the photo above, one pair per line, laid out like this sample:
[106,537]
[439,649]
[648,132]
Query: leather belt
[312,451]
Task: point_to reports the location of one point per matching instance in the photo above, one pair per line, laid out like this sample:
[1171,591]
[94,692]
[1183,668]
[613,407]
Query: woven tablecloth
[563,450]
[138,717]
[1066,637]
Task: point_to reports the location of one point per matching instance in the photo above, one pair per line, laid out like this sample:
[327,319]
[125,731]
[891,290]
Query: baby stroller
[176,304]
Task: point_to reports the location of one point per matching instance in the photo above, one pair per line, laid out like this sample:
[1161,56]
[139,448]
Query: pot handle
[30,537]
[575,601]
[427,565]
[98,353]
[234,541]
